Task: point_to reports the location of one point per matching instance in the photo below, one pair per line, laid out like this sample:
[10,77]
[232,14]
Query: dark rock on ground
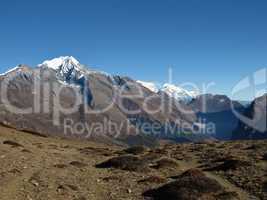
[129,163]
[136,150]
[192,184]
[12,143]
[153,179]
[166,163]
[78,164]
[231,164]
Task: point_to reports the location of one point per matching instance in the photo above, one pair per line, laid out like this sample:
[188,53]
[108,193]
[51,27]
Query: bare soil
[38,168]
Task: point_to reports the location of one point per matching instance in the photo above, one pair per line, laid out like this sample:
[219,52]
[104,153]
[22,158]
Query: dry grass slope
[39,168]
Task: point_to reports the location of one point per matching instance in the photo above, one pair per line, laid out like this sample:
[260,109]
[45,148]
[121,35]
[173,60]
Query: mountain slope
[65,83]
[217,111]
[49,168]
[256,121]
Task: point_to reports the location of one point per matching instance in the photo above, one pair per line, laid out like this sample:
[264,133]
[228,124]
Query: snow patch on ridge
[9,71]
[149,85]
[171,90]
[194,94]
[178,93]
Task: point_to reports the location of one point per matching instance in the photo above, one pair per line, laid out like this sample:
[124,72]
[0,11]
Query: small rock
[78,164]
[35,183]
[12,143]
[29,198]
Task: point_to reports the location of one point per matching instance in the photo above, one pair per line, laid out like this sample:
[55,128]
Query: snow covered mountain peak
[194,94]
[149,85]
[67,68]
[176,92]
[61,62]
[171,90]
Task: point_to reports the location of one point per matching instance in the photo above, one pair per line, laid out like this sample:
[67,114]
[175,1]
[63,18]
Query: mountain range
[39,95]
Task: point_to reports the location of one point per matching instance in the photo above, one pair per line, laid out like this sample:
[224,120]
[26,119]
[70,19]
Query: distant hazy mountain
[245,103]
[217,110]
[254,126]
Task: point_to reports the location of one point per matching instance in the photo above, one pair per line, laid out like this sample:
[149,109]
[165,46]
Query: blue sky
[202,40]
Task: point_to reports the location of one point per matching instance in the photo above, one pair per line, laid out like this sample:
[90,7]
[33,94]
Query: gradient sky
[202,40]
